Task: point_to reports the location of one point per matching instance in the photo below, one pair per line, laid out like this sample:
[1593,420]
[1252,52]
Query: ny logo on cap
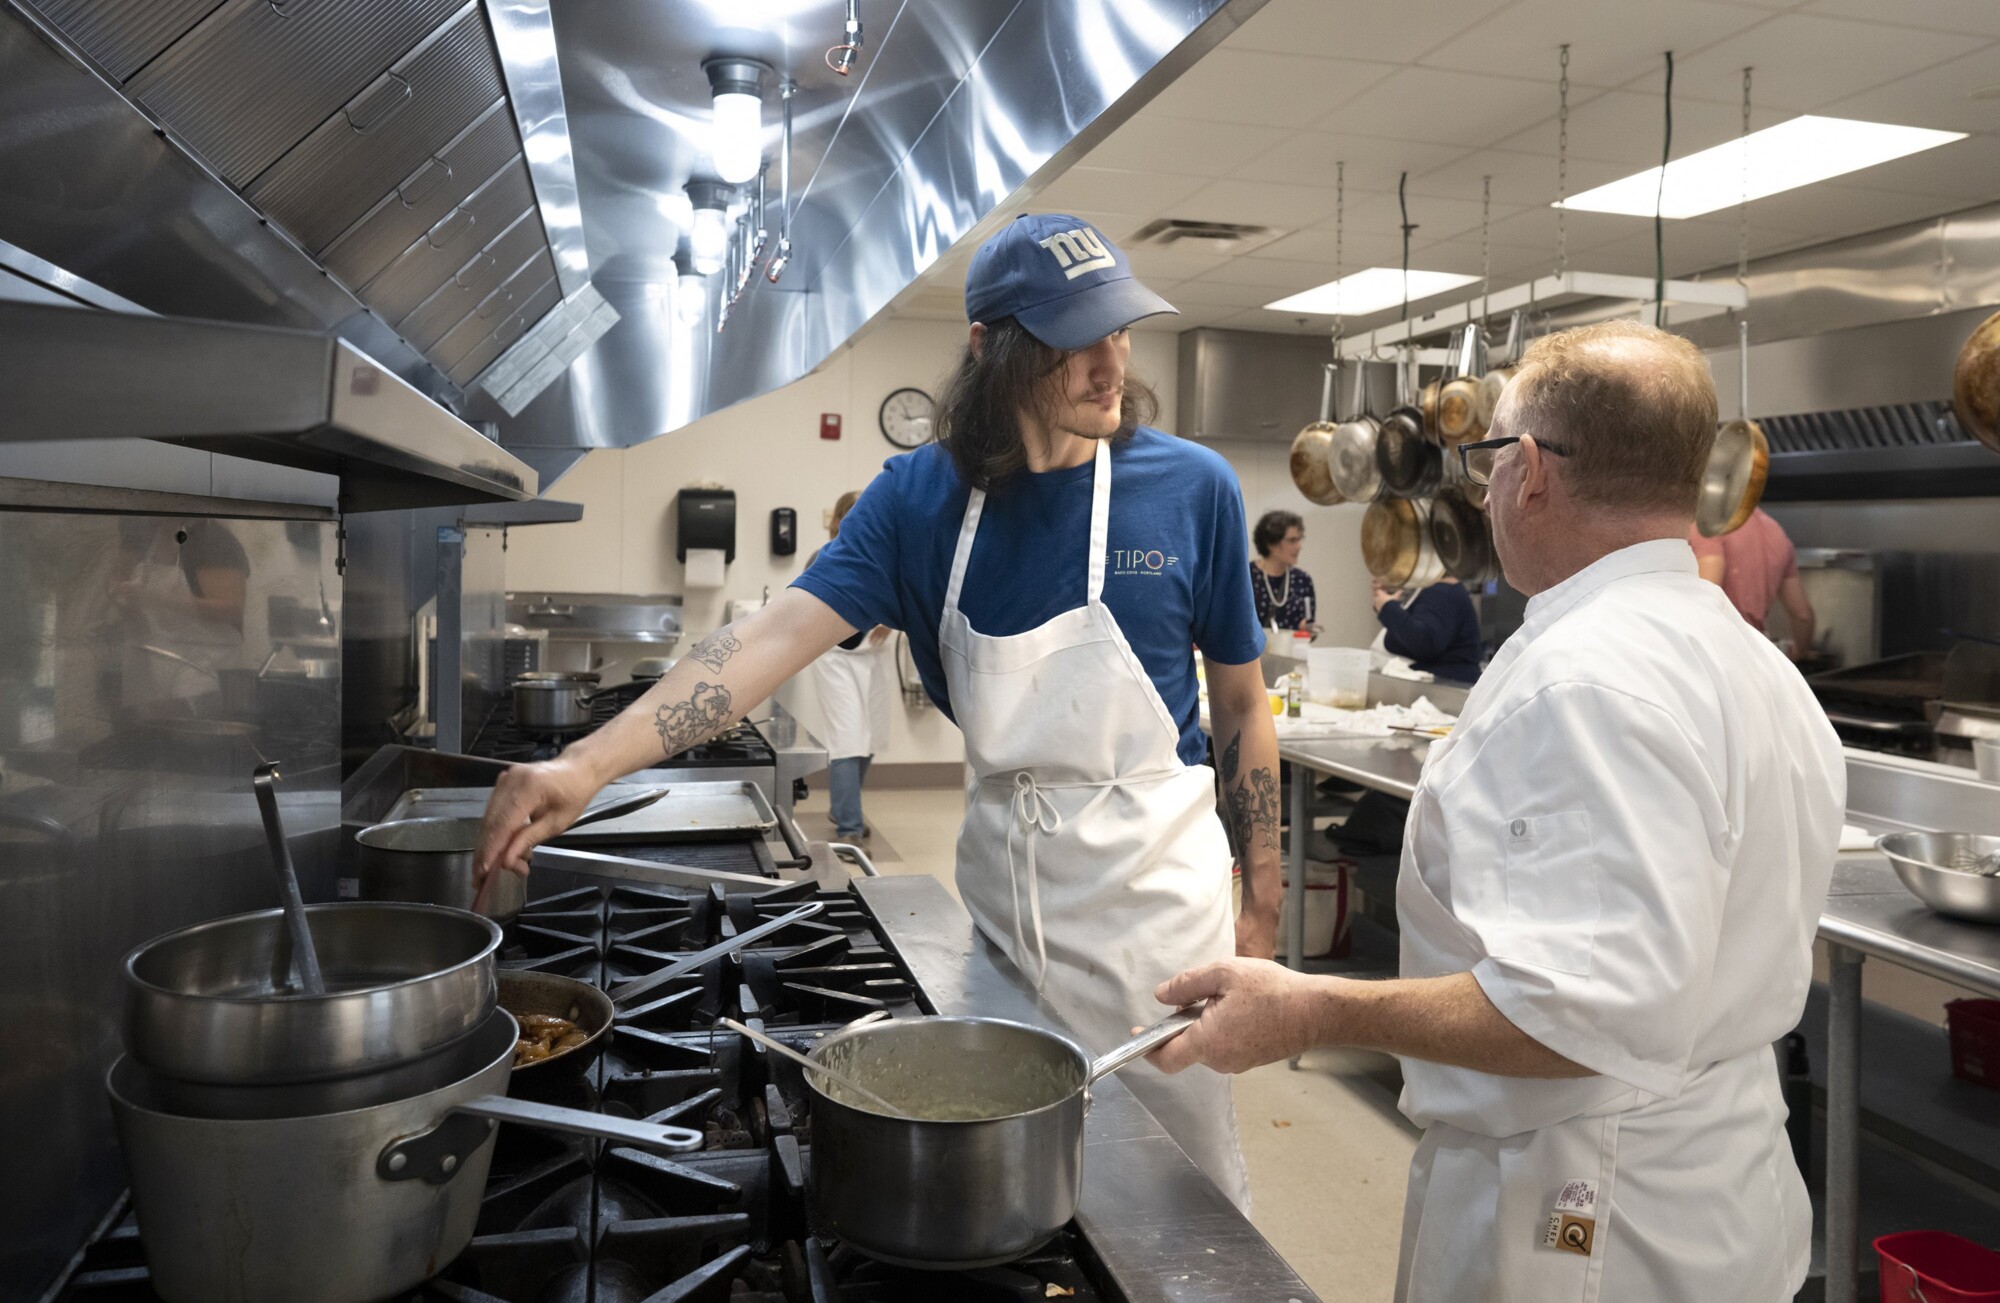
[1079,251]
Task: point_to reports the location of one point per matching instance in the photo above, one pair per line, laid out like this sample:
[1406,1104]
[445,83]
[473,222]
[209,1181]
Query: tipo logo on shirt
[1079,251]
[1139,561]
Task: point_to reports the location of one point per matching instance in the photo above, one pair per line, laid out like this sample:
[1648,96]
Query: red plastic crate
[1937,1267]
[1974,1026]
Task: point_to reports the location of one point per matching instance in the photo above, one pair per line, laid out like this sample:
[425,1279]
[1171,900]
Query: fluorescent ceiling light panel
[1784,157]
[1370,291]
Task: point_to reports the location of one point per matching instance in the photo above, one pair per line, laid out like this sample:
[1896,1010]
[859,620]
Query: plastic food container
[1338,676]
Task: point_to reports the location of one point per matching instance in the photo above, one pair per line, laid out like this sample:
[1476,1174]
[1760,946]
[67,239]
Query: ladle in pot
[303,955]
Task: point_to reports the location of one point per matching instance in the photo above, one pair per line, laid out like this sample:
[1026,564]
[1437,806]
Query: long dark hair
[978,412]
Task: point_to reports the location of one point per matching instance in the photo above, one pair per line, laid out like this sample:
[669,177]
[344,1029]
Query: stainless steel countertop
[1867,908]
[1161,1228]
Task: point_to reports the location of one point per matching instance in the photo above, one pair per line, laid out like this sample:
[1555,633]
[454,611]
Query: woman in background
[1436,629]
[854,691]
[1283,592]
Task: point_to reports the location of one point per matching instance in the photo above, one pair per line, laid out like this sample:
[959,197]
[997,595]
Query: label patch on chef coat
[1573,1221]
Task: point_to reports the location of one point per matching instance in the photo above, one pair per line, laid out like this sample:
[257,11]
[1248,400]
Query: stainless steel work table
[1162,1230]
[1868,913]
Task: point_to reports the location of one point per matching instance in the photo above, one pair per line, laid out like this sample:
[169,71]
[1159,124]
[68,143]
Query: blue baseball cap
[1067,284]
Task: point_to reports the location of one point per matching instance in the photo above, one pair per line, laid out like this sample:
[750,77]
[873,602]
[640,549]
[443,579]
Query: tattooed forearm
[702,716]
[1252,801]
[715,649]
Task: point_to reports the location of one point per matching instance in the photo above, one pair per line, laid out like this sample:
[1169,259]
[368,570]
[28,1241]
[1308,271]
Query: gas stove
[566,1220]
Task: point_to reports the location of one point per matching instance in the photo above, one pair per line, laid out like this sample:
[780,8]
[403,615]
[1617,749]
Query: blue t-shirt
[1175,576]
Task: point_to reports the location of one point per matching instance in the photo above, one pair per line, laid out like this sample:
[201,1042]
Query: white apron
[854,696]
[1690,1193]
[1090,854]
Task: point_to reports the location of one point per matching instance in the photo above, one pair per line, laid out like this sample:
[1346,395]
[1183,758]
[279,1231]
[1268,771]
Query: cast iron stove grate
[565,1220]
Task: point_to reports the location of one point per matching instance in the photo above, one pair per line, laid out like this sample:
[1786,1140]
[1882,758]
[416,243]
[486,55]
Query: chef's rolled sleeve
[1588,865]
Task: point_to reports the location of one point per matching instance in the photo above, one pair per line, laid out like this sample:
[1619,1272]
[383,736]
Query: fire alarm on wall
[829,425]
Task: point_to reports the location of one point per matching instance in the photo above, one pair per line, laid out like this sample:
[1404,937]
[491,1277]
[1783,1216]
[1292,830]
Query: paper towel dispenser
[707,520]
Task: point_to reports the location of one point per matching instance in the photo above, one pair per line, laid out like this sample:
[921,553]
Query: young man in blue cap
[1055,618]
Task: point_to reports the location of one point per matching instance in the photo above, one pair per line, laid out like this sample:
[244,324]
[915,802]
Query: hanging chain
[1339,237]
[1562,166]
[1743,207]
[1485,243]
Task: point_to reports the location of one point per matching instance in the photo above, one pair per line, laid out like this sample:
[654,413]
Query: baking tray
[689,812]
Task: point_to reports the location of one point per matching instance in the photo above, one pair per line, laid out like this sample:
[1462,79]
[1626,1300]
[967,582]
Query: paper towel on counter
[704,567]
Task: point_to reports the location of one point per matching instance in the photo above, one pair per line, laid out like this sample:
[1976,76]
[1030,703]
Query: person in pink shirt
[1756,565]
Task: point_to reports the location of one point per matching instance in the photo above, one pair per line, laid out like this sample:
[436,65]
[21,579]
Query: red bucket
[1937,1267]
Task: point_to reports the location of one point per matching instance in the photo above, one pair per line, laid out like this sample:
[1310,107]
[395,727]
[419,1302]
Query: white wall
[769,451]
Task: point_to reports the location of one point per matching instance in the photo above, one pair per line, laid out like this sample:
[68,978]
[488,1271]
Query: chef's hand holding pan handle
[1257,1012]
[530,804]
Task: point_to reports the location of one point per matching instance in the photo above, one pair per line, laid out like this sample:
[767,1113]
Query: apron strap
[968,530]
[1100,518]
[1034,812]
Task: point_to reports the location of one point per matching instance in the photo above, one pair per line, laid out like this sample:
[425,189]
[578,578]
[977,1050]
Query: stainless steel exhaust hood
[293,398]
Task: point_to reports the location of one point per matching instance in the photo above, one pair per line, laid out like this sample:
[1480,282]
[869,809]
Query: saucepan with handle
[986,1161]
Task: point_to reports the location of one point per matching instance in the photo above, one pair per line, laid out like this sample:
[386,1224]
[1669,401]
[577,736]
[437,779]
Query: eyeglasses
[1476,459]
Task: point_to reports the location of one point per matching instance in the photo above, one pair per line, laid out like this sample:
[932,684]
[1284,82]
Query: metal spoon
[619,808]
[303,954]
[779,1047]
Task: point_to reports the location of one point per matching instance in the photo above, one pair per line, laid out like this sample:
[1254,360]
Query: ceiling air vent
[1223,239]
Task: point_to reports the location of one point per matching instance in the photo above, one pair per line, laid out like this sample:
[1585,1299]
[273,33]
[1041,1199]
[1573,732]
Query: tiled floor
[1327,1150]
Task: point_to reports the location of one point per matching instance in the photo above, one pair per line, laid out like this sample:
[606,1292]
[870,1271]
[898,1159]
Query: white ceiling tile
[1356,249]
[1443,108]
[1435,217]
[1519,179]
[1937,97]
[1116,190]
[1265,203]
[1163,144]
[1168,265]
[1359,29]
[1219,293]
[1372,161]
[1263,88]
[1803,62]
[1626,127]
[1611,41]
[1511,263]
[1975,17]
[1279,275]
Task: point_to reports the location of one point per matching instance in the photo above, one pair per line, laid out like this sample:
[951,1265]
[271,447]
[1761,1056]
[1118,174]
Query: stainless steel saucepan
[325,1206]
[553,701]
[989,1164]
[430,859]
[215,1002]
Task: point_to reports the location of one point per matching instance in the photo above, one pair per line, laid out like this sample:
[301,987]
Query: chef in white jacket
[852,680]
[1611,877]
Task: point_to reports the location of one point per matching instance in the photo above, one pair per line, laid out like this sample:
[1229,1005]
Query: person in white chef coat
[853,685]
[1056,565]
[1610,881]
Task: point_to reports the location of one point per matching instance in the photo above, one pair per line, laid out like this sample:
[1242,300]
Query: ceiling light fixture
[708,237]
[1792,154]
[1369,291]
[690,290]
[737,144]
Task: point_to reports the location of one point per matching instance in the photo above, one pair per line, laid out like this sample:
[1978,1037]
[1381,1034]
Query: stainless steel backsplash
[125,801]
